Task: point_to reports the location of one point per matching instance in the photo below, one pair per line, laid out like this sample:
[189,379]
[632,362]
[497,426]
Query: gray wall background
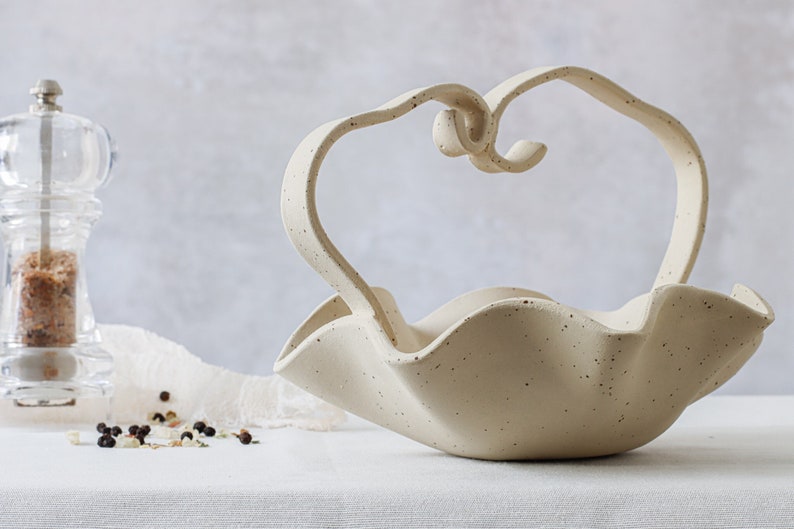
[207,100]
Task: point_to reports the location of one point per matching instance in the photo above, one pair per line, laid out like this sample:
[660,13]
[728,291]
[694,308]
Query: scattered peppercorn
[139,432]
[106,441]
[164,396]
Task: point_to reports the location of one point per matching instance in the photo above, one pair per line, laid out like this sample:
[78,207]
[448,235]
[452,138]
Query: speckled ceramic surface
[507,373]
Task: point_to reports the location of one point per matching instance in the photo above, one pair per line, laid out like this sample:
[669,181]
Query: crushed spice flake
[188,443]
[128,442]
[73,436]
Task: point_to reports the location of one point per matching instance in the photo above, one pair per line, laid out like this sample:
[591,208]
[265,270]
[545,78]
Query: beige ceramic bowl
[507,373]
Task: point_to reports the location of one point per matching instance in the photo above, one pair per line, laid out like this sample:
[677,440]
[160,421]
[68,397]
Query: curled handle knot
[454,136]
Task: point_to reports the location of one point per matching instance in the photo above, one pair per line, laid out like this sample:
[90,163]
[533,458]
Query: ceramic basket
[508,373]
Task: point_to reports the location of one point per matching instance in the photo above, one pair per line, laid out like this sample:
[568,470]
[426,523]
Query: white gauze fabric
[147,364]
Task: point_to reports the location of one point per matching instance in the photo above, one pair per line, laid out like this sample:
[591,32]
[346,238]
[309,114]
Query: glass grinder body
[51,163]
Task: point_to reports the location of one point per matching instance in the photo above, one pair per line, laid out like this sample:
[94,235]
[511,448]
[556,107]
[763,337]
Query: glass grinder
[51,164]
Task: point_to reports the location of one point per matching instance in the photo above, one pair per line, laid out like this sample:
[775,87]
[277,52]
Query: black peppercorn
[133,430]
[106,441]
[106,431]
[199,426]
[245,437]
[101,427]
[141,438]
[164,396]
[186,434]
[116,431]
[145,430]
[159,417]
[209,431]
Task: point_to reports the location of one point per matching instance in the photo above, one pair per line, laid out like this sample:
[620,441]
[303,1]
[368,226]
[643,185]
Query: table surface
[728,462]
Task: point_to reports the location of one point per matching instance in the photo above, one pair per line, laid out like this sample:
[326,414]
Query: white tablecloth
[728,462]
